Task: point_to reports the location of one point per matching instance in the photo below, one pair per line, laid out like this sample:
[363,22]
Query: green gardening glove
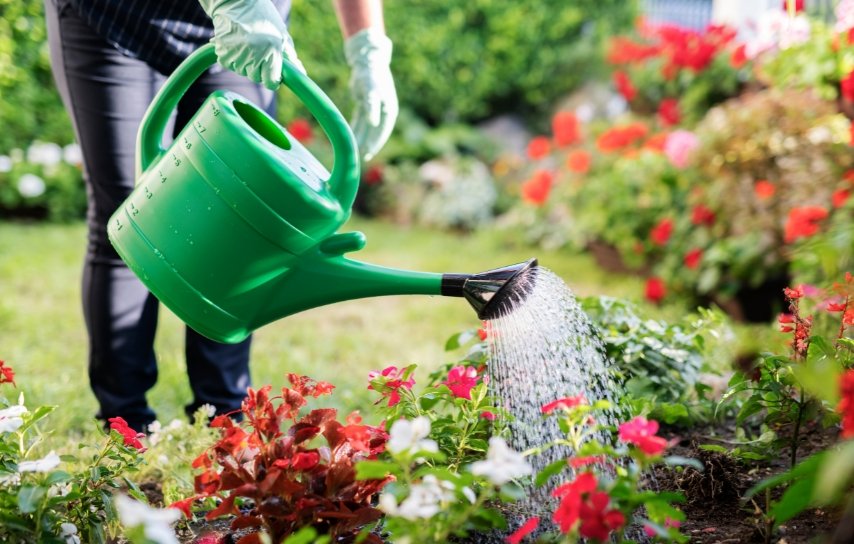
[251,39]
[368,53]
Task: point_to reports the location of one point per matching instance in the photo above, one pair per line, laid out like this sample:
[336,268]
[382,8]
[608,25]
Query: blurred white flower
[12,480]
[844,16]
[411,436]
[502,464]
[469,494]
[209,410]
[46,463]
[585,112]
[10,418]
[437,171]
[156,522]
[425,499]
[72,154]
[30,186]
[44,153]
[777,29]
[5,163]
[59,490]
[69,533]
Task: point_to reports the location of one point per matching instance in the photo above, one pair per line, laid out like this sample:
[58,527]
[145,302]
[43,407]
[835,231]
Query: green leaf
[57,477]
[714,447]
[306,535]
[795,500]
[29,498]
[819,375]
[460,339]
[835,473]
[680,461]
[374,470]
[552,469]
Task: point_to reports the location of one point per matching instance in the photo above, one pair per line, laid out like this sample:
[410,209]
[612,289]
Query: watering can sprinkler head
[494,292]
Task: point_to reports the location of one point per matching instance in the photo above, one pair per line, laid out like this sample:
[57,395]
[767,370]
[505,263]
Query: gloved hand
[250,39]
[368,53]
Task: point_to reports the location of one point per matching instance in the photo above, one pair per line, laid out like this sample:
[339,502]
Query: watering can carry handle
[344,179]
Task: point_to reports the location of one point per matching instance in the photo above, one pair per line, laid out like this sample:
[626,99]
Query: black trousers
[106,95]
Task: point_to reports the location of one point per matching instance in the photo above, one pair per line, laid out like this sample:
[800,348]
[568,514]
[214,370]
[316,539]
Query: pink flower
[390,381]
[641,432]
[679,146]
[461,380]
[566,403]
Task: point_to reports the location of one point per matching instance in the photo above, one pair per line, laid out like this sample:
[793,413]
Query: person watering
[109,57]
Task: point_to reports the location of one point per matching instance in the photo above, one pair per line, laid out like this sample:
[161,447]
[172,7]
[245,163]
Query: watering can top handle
[344,179]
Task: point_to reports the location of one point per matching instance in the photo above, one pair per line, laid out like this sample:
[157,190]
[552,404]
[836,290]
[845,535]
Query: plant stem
[797,432]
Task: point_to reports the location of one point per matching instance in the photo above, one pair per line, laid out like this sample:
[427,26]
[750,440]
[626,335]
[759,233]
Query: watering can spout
[495,292]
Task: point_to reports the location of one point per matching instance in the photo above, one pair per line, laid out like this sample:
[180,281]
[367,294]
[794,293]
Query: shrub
[467,60]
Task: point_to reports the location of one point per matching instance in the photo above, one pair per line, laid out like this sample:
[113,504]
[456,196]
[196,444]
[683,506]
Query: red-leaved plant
[275,475]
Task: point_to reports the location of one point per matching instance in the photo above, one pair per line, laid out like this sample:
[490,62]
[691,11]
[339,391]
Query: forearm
[356,15]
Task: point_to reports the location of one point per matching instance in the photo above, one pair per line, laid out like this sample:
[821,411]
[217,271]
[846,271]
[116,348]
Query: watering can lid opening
[260,122]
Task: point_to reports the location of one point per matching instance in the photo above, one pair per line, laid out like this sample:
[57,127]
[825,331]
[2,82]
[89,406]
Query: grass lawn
[43,338]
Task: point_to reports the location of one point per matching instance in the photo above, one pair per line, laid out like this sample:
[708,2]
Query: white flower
[469,494]
[44,153]
[411,436]
[59,490]
[209,410]
[425,499]
[30,185]
[12,480]
[46,463]
[69,533]
[502,464]
[72,154]
[10,418]
[5,163]
[157,522]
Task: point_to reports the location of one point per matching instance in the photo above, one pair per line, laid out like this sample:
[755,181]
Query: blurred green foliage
[465,60]
[30,108]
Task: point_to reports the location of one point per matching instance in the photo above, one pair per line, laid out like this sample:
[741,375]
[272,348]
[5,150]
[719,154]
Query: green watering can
[233,226]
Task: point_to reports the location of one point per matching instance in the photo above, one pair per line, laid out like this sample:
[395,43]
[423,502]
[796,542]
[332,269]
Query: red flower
[655,290]
[840,197]
[668,112]
[301,130]
[538,147]
[846,86]
[803,222]
[624,85]
[565,403]
[536,189]
[846,403]
[7,375]
[487,415]
[579,462]
[390,381]
[693,258]
[461,380]
[131,437]
[764,189]
[797,5]
[565,128]
[568,510]
[184,506]
[578,161]
[623,50]
[617,138]
[523,531]
[373,175]
[738,58]
[701,215]
[656,142]
[661,232]
[641,432]
[597,521]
